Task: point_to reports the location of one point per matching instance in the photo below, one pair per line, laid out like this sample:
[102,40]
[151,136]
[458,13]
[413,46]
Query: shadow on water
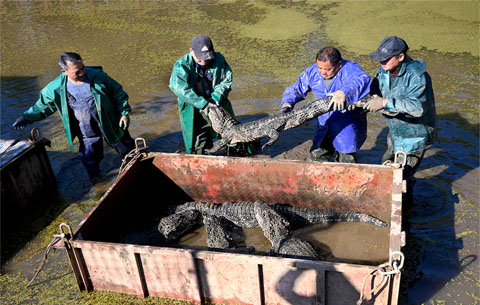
[432,247]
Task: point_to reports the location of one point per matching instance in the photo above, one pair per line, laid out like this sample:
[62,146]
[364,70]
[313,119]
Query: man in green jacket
[406,99]
[201,78]
[92,106]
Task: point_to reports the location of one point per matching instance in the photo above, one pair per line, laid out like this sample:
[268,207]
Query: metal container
[151,180]
[27,183]
[26,173]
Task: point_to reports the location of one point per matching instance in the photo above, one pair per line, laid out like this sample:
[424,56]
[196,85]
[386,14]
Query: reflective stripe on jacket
[110,99]
[183,81]
[411,101]
[348,130]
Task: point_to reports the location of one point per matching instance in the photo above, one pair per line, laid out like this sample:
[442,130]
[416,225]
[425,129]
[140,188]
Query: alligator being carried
[232,131]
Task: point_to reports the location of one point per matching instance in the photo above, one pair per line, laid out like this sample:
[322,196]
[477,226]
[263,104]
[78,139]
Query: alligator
[232,131]
[273,219]
[243,213]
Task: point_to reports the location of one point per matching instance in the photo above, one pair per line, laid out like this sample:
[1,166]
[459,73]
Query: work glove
[286,107]
[338,101]
[20,123]
[124,122]
[375,104]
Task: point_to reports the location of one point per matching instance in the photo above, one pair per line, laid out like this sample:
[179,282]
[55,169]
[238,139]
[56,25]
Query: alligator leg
[275,227]
[273,134]
[296,247]
[217,146]
[218,236]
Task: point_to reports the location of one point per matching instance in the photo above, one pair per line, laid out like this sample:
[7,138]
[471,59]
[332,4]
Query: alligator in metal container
[101,261]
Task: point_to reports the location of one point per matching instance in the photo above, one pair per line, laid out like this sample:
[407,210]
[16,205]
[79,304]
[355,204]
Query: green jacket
[410,112]
[182,83]
[110,99]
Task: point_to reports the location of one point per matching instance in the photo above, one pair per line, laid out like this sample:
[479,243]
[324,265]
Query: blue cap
[202,46]
[389,47]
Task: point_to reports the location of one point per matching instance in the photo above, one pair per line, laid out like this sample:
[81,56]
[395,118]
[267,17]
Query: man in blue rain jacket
[406,99]
[338,132]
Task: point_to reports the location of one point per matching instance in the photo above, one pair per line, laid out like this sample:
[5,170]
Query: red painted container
[155,180]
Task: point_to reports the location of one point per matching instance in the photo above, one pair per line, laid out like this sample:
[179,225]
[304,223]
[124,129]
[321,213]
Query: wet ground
[267,44]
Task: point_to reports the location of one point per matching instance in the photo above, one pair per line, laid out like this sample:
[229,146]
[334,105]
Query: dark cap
[202,46]
[389,47]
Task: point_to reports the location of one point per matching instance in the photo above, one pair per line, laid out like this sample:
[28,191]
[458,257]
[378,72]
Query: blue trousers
[91,151]
[90,136]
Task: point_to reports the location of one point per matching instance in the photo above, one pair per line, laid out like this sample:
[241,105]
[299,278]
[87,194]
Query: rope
[132,157]
[56,238]
[373,290]
[386,275]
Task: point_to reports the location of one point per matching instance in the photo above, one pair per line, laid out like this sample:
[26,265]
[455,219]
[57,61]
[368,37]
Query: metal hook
[401,259]
[69,233]
[35,135]
[139,141]
[404,154]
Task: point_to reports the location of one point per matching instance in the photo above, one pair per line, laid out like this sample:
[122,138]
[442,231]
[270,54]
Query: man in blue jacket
[92,106]
[338,132]
[407,103]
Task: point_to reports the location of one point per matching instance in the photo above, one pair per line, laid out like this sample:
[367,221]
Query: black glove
[213,103]
[20,123]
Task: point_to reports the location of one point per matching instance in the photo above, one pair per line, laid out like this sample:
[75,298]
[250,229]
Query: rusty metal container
[152,180]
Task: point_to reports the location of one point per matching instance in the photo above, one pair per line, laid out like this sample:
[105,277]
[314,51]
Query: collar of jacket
[90,71]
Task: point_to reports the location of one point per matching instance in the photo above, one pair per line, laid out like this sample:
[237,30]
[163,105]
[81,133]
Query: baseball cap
[389,47]
[202,46]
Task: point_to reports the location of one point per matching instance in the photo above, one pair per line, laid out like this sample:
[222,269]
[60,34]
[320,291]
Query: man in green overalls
[201,78]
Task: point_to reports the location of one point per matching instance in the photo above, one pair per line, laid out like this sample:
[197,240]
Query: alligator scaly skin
[233,132]
[243,214]
[218,237]
[295,247]
[173,226]
[275,227]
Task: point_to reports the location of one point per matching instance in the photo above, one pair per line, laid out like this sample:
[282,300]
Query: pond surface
[267,44]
